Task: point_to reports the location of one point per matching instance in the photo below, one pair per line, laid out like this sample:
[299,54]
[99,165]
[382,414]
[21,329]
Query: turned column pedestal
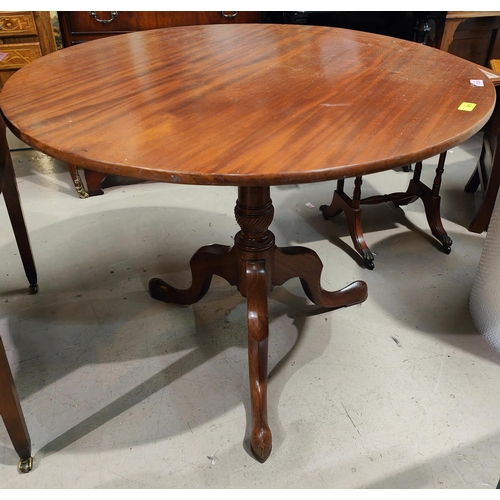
[255,265]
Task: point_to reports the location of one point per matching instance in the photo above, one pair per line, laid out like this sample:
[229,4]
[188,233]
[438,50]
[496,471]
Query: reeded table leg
[12,414]
[255,265]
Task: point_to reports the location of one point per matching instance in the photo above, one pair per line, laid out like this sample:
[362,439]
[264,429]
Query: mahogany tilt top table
[252,106]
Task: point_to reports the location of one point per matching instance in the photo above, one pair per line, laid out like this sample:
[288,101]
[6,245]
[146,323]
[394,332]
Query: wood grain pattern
[17,23]
[248,104]
[18,55]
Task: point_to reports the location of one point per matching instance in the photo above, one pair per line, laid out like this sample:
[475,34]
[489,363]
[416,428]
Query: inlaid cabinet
[24,37]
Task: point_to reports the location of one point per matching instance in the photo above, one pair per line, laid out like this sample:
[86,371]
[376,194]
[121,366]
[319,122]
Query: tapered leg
[14,209]
[258,332]
[12,414]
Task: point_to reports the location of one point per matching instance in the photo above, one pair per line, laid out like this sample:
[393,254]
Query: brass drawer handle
[93,14]
[230,16]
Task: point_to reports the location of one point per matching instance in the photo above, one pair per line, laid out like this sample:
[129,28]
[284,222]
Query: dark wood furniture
[8,186]
[407,25]
[472,35]
[10,407]
[24,37]
[487,172]
[416,190]
[12,414]
[251,106]
[78,27]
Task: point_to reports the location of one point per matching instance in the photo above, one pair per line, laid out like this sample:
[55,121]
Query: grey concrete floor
[122,391]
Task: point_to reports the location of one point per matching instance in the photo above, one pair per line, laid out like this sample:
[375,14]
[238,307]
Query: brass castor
[25,465]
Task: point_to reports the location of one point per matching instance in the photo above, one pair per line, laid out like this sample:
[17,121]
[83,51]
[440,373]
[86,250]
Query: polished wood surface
[250,106]
[245,104]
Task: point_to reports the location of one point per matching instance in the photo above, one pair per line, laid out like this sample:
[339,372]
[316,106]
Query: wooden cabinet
[471,35]
[475,36]
[78,27]
[24,37]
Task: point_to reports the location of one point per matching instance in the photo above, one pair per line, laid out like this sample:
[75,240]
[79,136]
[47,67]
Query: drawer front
[17,55]
[123,21]
[17,24]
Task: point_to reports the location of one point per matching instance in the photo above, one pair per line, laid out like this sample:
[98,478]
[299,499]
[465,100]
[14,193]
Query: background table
[249,106]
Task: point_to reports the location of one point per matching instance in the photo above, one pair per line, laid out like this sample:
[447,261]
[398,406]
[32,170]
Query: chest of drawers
[24,37]
[79,26]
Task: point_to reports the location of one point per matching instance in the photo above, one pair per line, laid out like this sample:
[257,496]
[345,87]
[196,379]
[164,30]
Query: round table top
[246,104]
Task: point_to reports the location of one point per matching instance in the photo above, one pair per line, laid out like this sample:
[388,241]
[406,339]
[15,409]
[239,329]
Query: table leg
[304,263]
[351,208]
[432,202]
[207,261]
[77,181]
[416,189]
[258,334]
[14,209]
[255,265]
[12,414]
[429,196]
